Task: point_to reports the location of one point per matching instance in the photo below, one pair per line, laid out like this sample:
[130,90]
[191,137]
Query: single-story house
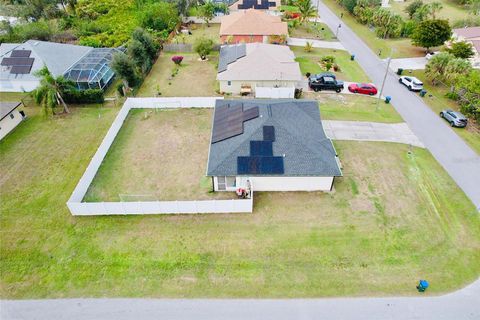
[10,117]
[472,35]
[268,5]
[252,26]
[270,145]
[87,67]
[254,65]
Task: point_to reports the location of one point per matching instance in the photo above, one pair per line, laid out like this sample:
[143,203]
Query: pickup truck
[325,82]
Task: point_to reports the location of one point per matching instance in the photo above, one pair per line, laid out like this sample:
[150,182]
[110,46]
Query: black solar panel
[20,53]
[260,165]
[269,133]
[21,69]
[15,61]
[228,121]
[261,148]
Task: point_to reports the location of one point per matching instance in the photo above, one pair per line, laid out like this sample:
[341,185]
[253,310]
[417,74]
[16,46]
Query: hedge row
[83,96]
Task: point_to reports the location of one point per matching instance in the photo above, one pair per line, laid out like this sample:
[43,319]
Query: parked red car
[363,88]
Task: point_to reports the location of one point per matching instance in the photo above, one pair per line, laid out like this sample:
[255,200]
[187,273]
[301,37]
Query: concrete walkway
[408,63]
[371,131]
[461,305]
[458,159]
[300,42]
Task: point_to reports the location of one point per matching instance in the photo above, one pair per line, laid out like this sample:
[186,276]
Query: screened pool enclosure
[93,71]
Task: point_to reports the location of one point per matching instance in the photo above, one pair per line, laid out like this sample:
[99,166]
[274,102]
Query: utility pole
[384,79]
[316,18]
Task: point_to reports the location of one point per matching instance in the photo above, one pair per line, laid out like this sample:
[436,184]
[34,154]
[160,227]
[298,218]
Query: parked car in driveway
[412,83]
[316,77]
[363,88]
[455,118]
[429,55]
[325,82]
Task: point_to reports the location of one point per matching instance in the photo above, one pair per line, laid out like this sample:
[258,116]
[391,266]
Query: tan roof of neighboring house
[252,22]
[263,62]
[467,33]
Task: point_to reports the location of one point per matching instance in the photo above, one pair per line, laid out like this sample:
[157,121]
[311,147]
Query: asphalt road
[458,159]
[460,305]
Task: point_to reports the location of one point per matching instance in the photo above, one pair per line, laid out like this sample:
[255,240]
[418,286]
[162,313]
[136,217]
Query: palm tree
[49,93]
[435,68]
[308,47]
[455,69]
[307,9]
[434,8]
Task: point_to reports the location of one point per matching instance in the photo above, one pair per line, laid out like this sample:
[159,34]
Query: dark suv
[325,82]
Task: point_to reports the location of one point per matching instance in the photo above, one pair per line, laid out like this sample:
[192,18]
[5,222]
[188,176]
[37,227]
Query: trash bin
[352,57]
[422,285]
[387,99]
[399,71]
[423,93]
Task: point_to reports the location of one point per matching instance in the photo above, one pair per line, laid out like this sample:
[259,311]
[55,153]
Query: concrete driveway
[458,159]
[408,64]
[370,131]
[300,42]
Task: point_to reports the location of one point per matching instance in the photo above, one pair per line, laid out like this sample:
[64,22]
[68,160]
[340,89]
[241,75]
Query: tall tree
[125,69]
[307,9]
[387,23]
[413,7]
[436,66]
[151,47]
[434,8]
[207,12]
[431,33]
[49,93]
[456,68]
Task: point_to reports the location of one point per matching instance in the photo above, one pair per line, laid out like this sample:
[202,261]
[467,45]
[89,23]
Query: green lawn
[393,218]
[436,100]
[310,30]
[354,108]
[350,70]
[195,77]
[450,11]
[198,31]
[168,168]
[402,48]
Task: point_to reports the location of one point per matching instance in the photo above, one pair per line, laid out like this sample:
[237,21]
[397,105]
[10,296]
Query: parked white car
[412,83]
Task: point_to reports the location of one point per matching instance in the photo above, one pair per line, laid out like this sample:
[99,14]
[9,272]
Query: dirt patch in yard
[158,155]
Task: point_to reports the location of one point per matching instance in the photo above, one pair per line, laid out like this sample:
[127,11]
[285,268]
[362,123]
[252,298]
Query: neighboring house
[256,65]
[87,67]
[10,117]
[472,35]
[270,145]
[252,26]
[268,5]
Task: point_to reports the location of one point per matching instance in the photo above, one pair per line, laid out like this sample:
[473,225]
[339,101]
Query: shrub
[203,46]
[159,16]
[327,59]
[83,96]
[408,28]
[177,59]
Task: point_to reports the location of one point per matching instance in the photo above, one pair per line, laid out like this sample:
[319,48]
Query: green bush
[407,28]
[83,96]
[159,16]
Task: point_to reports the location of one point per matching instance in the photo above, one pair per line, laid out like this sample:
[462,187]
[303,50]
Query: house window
[229,83]
[225,182]
[11,116]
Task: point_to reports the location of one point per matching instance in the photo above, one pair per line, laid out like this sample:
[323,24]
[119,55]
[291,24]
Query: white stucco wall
[236,85]
[7,124]
[283,183]
[18,85]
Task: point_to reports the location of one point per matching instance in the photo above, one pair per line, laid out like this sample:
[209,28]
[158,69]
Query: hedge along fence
[184,47]
[83,96]
[78,207]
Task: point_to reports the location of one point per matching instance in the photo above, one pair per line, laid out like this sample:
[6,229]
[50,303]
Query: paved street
[459,160]
[460,305]
[370,131]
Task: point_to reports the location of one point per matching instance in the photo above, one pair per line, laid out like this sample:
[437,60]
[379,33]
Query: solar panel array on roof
[253,4]
[20,53]
[21,69]
[260,165]
[269,133]
[228,121]
[261,148]
[19,61]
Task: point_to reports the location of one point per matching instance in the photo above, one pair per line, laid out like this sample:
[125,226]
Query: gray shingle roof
[229,54]
[299,136]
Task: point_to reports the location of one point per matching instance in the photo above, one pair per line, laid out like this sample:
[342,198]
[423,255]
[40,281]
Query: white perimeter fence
[274,93]
[77,207]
